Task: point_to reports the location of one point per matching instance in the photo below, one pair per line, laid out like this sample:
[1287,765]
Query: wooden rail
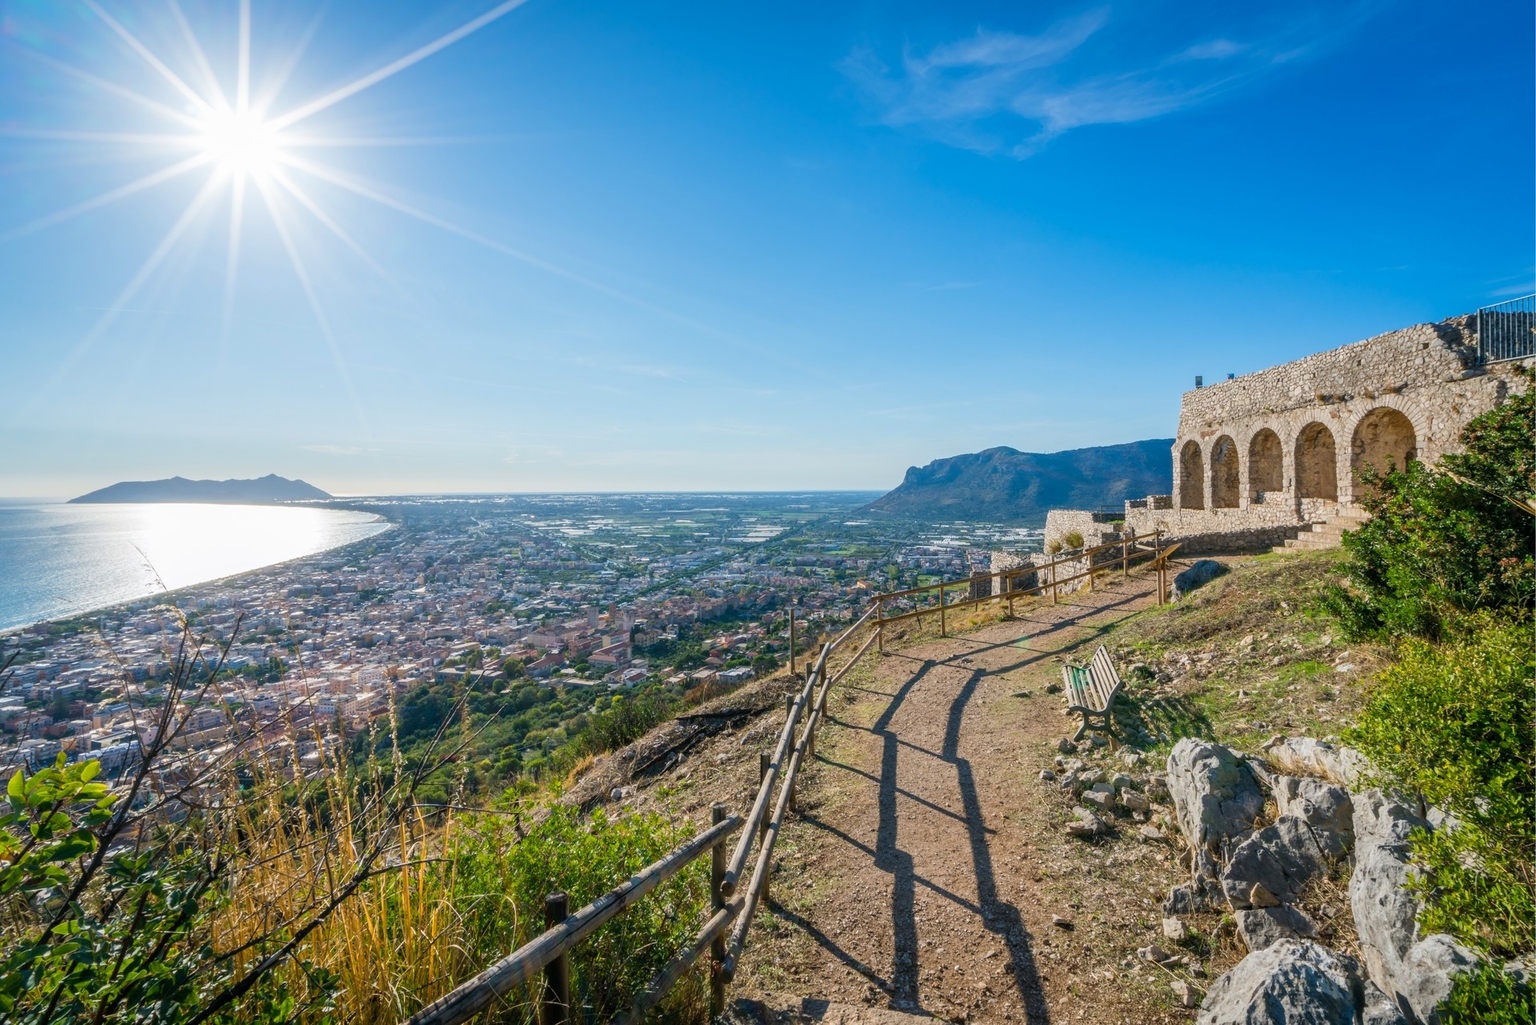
[550,948]
[1131,548]
[549,952]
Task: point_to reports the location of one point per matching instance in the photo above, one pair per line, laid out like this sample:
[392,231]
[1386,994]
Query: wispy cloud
[1006,91]
[335,450]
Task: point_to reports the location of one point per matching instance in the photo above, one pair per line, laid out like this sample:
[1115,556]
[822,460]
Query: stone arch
[1191,476]
[1226,474]
[1317,463]
[1266,465]
[1384,439]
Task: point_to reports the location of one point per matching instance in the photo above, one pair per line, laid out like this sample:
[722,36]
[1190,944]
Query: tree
[1448,541]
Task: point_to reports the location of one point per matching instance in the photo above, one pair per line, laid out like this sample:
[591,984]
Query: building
[1262,456]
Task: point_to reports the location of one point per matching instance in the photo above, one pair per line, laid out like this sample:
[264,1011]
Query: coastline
[94,610]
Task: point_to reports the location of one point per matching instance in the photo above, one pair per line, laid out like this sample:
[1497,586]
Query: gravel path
[924,870]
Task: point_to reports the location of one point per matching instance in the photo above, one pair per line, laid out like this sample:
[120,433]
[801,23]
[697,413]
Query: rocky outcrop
[1260,928]
[1323,806]
[1282,859]
[1294,982]
[1215,794]
[1202,572]
[1418,973]
[1306,756]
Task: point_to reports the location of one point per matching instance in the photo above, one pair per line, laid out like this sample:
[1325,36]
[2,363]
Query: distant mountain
[261,491]
[1009,486]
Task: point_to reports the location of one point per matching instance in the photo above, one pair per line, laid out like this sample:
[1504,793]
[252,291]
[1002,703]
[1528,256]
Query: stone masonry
[1260,456]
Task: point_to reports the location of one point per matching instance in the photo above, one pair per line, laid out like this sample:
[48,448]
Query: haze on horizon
[560,246]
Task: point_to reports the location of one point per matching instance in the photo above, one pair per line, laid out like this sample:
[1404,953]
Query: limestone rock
[1184,993]
[1175,929]
[1046,775]
[1099,799]
[1087,824]
[1215,794]
[1281,859]
[1429,972]
[1263,927]
[1322,806]
[1384,910]
[1418,973]
[1134,801]
[1379,1009]
[1306,756]
[1293,982]
[1202,572]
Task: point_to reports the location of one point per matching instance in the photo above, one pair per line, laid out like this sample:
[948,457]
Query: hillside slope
[1004,484]
[259,491]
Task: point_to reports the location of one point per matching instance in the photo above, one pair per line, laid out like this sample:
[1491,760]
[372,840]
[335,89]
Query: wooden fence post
[1125,556]
[556,1008]
[880,623]
[717,901]
[789,710]
[762,774]
[791,638]
[943,628]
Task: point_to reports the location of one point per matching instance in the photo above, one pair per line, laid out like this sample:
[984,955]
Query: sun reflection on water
[58,560]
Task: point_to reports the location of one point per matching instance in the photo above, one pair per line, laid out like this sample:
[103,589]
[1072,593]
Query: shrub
[1454,723]
[585,860]
[1489,996]
[1448,541]
[1072,539]
[624,723]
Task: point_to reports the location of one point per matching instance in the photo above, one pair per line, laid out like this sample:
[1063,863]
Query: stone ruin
[1258,458]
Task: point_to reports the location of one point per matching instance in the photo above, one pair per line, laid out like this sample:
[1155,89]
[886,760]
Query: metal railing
[1507,330]
[550,951]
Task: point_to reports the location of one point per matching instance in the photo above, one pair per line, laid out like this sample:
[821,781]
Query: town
[583,597]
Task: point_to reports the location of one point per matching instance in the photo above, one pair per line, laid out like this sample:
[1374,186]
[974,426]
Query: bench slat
[1091,688]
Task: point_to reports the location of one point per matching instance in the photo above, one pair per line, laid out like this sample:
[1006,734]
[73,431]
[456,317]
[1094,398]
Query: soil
[928,870]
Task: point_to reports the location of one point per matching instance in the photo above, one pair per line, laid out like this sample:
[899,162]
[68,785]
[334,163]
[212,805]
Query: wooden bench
[1091,690]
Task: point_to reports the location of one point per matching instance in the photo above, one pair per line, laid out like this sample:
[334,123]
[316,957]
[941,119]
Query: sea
[59,560]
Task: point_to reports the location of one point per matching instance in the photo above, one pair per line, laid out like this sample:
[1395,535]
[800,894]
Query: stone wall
[1261,455]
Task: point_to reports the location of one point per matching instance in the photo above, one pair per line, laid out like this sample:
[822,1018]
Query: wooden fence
[1047,576]
[724,934]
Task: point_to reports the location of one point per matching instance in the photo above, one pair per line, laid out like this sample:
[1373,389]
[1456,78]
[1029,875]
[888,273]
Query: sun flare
[232,139]
[241,142]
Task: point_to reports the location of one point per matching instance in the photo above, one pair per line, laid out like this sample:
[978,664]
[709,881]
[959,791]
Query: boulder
[1306,756]
[1264,927]
[1376,1008]
[1429,972]
[1282,858]
[1215,794]
[1324,807]
[1202,572]
[1291,982]
[1417,973]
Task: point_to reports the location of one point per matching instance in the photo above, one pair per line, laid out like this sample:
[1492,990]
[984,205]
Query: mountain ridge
[1005,485]
[268,490]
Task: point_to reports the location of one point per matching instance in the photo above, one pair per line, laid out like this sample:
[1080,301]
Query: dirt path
[928,860]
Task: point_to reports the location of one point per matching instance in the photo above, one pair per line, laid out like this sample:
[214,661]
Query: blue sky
[592,246]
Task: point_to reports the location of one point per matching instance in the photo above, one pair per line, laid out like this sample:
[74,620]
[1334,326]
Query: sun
[241,142]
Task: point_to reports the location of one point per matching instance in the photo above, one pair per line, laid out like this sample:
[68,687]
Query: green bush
[1446,542]
[1454,723]
[1489,996]
[585,859]
[1072,539]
